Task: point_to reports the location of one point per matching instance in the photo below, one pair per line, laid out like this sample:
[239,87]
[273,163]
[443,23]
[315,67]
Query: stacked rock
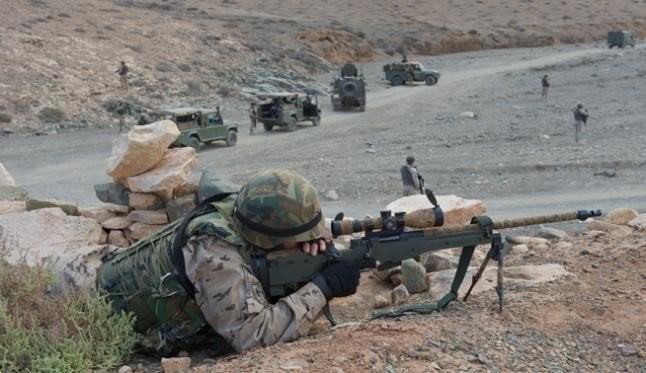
[152,184]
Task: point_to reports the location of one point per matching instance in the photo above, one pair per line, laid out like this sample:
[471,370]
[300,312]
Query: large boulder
[44,234]
[141,149]
[5,177]
[7,207]
[172,172]
[638,223]
[457,210]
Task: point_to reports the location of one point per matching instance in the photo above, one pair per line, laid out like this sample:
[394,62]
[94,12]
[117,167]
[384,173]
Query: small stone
[331,195]
[97,213]
[399,295]
[118,222]
[564,245]
[520,249]
[435,366]
[381,301]
[145,201]
[551,233]
[627,349]
[125,369]
[468,114]
[117,238]
[117,209]
[137,231]
[413,276]
[439,261]
[112,193]
[103,239]
[176,364]
[372,151]
[526,240]
[395,278]
[148,217]
[412,353]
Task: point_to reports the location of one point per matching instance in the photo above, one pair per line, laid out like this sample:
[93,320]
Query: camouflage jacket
[229,299]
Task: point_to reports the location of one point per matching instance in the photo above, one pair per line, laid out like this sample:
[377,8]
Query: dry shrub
[41,331]
[5,118]
[51,115]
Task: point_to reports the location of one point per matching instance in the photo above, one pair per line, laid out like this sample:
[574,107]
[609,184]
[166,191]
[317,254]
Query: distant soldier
[580,119]
[404,59]
[546,85]
[122,110]
[252,118]
[411,179]
[123,75]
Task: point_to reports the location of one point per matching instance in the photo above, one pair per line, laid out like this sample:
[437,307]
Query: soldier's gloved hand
[338,279]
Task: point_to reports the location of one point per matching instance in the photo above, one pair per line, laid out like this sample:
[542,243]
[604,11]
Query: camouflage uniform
[252,118]
[123,75]
[580,119]
[228,298]
[545,83]
[410,178]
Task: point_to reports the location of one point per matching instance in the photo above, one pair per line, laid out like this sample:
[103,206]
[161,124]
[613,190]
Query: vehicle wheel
[194,142]
[430,80]
[291,124]
[316,121]
[232,138]
[397,80]
[268,127]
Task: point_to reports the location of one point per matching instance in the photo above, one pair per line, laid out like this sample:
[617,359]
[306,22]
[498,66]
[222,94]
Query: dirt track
[518,155]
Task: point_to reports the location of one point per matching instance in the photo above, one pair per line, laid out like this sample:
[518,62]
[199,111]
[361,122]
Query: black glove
[338,279]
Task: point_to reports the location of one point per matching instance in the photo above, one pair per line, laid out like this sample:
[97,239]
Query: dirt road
[517,154]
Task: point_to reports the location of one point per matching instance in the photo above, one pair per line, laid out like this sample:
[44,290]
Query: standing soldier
[580,119]
[546,85]
[411,179]
[122,110]
[252,118]
[123,75]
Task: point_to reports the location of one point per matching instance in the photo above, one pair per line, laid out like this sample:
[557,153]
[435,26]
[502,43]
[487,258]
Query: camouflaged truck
[400,73]
[287,109]
[199,126]
[620,39]
[349,89]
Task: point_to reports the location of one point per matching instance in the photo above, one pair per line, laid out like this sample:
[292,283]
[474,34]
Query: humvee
[286,109]
[399,73]
[620,39]
[349,89]
[200,126]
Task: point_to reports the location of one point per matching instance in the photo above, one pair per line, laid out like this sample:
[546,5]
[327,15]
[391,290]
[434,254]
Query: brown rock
[413,276]
[45,233]
[118,222]
[395,278]
[621,232]
[117,209]
[191,186]
[399,295]
[137,231]
[381,301]
[141,149]
[145,201]
[99,214]
[5,177]
[176,364]
[117,238]
[148,217]
[621,216]
[638,223]
[457,210]
[440,260]
[35,204]
[7,207]
[104,237]
[172,172]
[531,242]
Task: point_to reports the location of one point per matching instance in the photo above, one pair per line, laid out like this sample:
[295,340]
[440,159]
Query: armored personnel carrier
[349,89]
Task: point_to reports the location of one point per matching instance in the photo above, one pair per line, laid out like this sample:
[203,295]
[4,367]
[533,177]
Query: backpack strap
[177,256]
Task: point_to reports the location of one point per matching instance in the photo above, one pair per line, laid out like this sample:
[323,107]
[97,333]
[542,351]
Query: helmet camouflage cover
[277,206]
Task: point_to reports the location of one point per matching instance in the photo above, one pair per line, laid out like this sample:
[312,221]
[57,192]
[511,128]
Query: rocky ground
[59,58]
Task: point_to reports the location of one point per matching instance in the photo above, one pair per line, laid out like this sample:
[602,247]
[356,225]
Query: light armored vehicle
[349,89]
[200,126]
[399,73]
[286,109]
[620,39]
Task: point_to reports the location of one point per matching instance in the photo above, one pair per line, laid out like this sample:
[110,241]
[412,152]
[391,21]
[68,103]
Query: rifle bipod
[495,253]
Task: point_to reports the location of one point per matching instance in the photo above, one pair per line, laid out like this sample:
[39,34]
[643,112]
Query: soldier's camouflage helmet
[277,206]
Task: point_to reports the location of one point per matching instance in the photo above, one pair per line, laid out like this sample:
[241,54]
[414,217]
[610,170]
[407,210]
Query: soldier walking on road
[580,119]
[412,181]
[252,118]
[546,86]
[123,75]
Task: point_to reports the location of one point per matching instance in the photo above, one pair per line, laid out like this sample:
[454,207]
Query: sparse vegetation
[45,332]
[51,115]
[193,87]
[5,118]
[224,91]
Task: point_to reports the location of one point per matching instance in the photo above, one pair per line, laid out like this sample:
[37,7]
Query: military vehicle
[349,89]
[620,39]
[286,109]
[199,126]
[403,72]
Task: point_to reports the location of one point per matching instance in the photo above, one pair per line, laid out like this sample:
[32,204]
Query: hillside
[59,57]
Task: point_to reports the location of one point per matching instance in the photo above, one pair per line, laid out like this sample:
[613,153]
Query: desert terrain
[483,132]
